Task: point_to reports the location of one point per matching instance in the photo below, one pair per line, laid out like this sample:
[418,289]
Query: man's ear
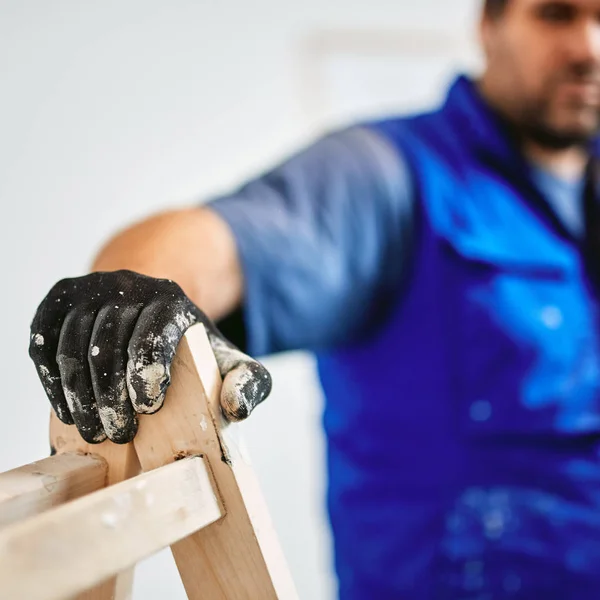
[487,27]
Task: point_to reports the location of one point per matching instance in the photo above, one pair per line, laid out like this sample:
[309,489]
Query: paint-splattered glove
[103,345]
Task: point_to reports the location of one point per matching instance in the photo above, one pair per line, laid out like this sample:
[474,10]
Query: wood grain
[33,488]
[74,546]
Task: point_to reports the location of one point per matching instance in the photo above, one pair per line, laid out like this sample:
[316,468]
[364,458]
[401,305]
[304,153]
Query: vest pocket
[528,349]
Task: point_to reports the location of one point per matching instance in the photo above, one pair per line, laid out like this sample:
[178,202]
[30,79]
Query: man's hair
[494,8]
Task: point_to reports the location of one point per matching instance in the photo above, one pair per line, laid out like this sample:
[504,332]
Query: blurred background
[111,110]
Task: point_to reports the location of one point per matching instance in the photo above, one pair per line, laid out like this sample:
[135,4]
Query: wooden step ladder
[75,524]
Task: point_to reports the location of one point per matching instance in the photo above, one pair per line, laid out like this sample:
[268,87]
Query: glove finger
[159,328]
[43,345]
[246,382]
[72,359]
[108,368]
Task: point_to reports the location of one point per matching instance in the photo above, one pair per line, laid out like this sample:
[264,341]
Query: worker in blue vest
[445,269]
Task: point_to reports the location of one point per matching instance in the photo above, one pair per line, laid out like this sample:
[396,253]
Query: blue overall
[456,333]
[464,453]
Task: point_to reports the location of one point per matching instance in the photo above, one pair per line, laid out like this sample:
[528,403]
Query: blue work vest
[464,435]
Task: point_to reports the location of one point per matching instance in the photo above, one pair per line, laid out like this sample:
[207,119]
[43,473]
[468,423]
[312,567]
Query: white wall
[110,110]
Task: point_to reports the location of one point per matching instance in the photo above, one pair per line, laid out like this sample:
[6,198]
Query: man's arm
[193,246]
[312,252]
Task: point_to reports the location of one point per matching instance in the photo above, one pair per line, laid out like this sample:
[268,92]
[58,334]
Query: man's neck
[568,164]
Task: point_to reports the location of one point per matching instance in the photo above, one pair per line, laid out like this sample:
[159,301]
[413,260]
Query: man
[445,270]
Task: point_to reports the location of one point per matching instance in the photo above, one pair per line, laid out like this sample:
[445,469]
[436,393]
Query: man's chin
[561,137]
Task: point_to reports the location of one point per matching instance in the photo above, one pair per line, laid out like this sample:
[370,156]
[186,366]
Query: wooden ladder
[74,525]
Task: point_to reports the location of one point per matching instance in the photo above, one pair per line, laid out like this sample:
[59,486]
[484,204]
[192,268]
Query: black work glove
[103,346]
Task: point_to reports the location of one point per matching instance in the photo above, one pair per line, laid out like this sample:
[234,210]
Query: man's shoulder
[407,126]
[369,147]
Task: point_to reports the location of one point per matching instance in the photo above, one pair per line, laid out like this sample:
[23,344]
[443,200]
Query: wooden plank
[239,557]
[33,488]
[74,546]
[122,464]
[113,588]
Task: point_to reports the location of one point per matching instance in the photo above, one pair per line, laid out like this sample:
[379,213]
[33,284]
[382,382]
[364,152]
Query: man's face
[543,67]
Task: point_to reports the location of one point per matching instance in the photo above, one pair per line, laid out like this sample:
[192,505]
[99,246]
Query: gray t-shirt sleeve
[324,240]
